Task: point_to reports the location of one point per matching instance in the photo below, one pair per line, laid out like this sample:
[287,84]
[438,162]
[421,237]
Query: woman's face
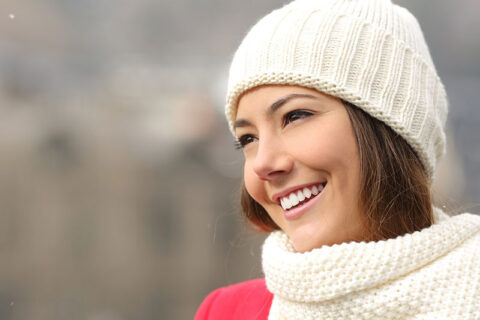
[301,163]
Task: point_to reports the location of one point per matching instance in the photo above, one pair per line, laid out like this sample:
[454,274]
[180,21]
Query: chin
[302,248]
[304,243]
[307,240]
[307,236]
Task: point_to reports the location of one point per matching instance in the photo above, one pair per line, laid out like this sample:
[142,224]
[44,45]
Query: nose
[271,161]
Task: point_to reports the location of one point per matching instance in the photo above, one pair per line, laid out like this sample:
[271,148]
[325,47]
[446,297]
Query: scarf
[429,274]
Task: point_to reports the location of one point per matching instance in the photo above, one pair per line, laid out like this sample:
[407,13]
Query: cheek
[332,149]
[253,184]
[327,148]
[336,145]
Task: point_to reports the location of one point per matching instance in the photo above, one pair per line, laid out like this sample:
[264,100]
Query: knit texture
[371,53]
[429,274]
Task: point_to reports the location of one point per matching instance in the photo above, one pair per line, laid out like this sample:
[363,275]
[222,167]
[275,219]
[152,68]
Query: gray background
[118,176]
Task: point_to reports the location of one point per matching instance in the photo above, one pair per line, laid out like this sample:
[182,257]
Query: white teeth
[307,193]
[293,199]
[300,196]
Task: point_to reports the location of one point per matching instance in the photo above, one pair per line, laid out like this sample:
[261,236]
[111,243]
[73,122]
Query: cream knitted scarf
[431,274]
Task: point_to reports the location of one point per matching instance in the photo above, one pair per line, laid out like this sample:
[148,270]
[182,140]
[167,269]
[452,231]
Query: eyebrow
[274,107]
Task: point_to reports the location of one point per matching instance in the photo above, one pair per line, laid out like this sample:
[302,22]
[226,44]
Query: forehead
[264,96]
[260,99]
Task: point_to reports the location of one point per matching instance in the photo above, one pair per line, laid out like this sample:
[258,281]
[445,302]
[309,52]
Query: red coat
[243,301]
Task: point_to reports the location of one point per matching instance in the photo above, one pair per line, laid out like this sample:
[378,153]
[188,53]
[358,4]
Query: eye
[295,115]
[241,142]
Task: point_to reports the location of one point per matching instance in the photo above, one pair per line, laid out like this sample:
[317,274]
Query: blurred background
[118,176]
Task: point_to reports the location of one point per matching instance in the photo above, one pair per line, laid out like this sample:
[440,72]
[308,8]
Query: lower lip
[298,211]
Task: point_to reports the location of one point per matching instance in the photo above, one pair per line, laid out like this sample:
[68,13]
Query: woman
[340,114]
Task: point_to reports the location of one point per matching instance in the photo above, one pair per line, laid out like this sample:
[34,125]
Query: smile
[300,196]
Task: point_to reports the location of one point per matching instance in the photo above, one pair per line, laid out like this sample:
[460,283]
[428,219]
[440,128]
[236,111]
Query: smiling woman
[340,114]
[370,208]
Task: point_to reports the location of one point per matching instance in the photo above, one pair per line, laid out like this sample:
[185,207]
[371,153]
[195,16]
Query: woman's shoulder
[245,300]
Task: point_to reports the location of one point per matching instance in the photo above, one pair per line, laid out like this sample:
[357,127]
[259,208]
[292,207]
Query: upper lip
[277,196]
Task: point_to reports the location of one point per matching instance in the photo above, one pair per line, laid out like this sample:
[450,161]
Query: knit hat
[371,53]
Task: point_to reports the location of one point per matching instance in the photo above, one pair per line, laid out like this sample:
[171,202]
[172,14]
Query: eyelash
[241,142]
[299,113]
[289,117]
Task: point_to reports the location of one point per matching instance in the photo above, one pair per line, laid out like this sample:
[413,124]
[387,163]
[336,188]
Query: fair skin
[299,139]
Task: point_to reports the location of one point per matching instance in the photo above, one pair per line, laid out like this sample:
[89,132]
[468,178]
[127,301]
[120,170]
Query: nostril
[270,171]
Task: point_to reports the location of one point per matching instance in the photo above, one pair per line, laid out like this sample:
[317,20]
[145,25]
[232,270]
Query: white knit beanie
[371,53]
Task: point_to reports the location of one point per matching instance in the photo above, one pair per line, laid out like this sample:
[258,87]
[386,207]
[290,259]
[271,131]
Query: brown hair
[395,190]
